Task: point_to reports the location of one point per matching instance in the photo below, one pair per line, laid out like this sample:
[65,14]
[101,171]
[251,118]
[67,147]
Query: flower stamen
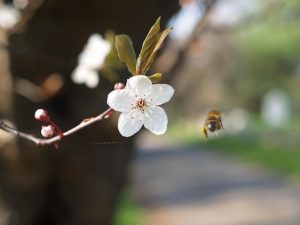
[140,104]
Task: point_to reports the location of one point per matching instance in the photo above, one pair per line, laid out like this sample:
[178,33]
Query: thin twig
[26,14]
[180,53]
[53,140]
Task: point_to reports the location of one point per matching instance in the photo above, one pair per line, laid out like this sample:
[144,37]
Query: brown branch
[41,141]
[179,51]
[26,14]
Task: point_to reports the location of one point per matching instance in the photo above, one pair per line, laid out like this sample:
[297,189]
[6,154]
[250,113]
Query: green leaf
[162,36]
[155,78]
[148,47]
[126,52]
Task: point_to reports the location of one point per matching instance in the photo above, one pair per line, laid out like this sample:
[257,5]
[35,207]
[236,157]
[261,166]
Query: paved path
[183,186]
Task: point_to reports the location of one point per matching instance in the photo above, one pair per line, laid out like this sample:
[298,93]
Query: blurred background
[240,57]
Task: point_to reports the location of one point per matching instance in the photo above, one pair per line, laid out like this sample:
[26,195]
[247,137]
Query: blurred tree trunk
[80,183]
[7,145]
[6,104]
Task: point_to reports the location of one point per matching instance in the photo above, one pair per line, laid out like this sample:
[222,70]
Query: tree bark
[78,184]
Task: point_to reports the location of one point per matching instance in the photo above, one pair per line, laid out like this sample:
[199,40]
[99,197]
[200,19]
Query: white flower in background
[90,60]
[9,16]
[139,103]
[85,75]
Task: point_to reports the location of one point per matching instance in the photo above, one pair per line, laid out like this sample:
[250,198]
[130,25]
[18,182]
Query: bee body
[213,123]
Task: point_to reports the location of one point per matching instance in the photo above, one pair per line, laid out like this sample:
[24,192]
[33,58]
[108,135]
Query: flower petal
[156,120]
[78,75]
[161,93]
[130,123]
[92,79]
[83,74]
[120,100]
[140,85]
[94,52]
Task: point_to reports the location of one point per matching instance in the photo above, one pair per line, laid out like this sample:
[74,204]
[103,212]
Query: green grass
[278,157]
[275,149]
[128,213]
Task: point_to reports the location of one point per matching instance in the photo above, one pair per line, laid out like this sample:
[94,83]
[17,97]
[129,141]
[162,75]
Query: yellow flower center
[140,104]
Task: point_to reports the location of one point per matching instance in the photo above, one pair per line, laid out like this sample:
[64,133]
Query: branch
[42,142]
[26,14]
[178,52]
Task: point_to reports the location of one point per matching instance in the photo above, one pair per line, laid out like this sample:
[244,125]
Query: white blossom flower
[9,16]
[139,104]
[86,75]
[90,60]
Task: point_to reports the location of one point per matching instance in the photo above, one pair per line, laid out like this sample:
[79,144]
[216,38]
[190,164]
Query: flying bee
[213,123]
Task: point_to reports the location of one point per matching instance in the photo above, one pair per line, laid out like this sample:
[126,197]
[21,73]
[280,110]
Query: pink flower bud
[41,115]
[119,86]
[47,131]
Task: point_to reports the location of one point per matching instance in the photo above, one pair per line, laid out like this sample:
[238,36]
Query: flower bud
[47,131]
[119,86]
[41,115]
